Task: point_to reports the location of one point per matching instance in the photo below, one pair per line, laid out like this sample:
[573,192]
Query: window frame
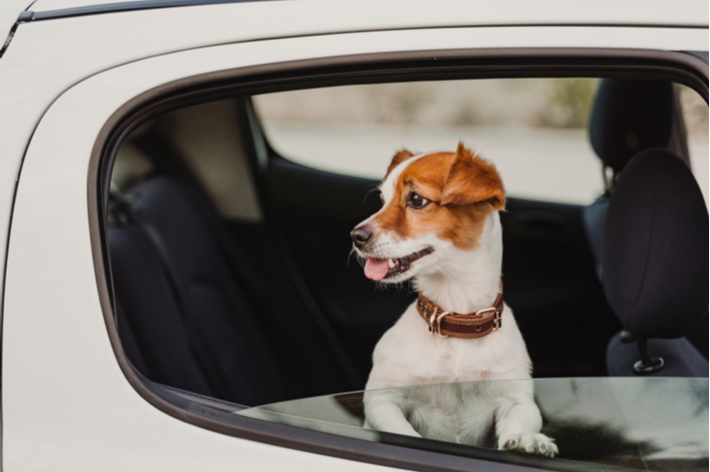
[680,67]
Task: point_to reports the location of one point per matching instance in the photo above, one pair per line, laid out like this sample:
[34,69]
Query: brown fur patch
[463,189]
[472,179]
[398,158]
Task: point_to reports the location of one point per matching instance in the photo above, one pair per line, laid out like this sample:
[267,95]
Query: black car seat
[186,317]
[192,326]
[627,117]
[655,258]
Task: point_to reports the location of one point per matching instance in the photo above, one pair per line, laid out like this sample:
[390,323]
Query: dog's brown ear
[472,179]
[398,158]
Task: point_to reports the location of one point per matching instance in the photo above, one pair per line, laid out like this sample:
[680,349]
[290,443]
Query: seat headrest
[629,116]
[655,247]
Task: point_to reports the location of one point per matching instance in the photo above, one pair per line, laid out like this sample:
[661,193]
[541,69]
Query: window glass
[695,115]
[177,268]
[534,130]
[649,423]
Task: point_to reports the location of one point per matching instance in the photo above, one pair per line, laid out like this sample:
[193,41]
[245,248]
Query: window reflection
[637,423]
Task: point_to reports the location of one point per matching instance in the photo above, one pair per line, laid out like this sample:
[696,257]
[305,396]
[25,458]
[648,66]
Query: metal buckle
[435,323]
[432,319]
[496,318]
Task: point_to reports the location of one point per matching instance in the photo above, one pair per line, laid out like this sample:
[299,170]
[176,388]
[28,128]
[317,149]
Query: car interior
[229,261]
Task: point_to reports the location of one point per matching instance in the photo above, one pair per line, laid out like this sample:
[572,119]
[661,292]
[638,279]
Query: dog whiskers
[398,286]
[350,255]
[367,194]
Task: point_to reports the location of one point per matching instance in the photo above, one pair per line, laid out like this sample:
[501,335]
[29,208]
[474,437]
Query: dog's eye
[416,201]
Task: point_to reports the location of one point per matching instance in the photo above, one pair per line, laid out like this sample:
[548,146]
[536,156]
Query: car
[178,180]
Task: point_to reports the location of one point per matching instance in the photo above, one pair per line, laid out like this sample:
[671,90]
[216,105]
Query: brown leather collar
[456,325]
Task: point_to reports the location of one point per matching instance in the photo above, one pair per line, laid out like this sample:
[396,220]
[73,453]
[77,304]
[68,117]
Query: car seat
[655,258]
[193,326]
[627,117]
[188,318]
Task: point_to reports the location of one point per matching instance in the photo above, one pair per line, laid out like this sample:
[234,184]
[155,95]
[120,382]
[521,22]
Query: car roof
[664,13]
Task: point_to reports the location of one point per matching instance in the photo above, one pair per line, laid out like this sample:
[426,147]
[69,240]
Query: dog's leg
[384,412]
[518,423]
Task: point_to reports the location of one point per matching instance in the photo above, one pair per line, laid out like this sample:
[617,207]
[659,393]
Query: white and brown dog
[439,225]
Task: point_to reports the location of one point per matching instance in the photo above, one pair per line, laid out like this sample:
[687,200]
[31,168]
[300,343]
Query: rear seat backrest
[655,256]
[153,311]
[204,206]
[627,117]
[148,317]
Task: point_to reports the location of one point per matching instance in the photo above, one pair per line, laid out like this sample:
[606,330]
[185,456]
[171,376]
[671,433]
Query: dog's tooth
[390,262]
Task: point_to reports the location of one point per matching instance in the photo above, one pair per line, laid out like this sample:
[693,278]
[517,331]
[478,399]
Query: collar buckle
[435,322]
[496,316]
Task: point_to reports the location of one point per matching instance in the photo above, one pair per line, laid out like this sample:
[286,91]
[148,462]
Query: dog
[440,226]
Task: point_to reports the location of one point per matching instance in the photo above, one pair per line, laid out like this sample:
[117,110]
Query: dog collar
[468,326]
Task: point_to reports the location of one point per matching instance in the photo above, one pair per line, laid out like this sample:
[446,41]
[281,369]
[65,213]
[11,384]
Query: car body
[72,71]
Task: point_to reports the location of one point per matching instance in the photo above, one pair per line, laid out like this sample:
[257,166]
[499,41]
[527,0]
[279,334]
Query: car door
[71,400]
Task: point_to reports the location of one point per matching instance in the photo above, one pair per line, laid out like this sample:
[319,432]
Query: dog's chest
[460,413]
[449,362]
[409,355]
[438,360]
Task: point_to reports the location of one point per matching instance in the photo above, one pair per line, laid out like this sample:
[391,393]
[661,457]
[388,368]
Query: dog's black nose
[360,235]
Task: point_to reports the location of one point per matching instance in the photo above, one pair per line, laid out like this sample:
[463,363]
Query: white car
[178,179]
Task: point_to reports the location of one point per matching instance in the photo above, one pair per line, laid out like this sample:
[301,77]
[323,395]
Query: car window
[695,116]
[534,130]
[597,423]
[185,219]
[229,263]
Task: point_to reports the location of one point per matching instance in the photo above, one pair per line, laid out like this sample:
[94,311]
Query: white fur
[409,356]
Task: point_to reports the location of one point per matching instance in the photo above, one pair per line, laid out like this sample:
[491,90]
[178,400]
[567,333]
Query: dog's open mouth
[378,269]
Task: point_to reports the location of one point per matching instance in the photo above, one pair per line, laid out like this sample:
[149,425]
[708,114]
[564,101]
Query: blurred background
[534,130]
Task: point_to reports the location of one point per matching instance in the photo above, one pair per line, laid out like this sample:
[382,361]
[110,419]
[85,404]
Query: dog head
[432,203]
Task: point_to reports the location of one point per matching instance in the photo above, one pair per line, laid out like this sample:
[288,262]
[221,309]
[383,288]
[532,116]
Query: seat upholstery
[655,259]
[627,117]
[152,314]
[681,358]
[148,318]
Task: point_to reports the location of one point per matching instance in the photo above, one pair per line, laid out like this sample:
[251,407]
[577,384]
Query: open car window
[535,130]
[599,424]
[211,226]
[227,229]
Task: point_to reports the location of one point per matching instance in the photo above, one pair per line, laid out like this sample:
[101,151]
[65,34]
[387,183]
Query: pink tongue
[376,269]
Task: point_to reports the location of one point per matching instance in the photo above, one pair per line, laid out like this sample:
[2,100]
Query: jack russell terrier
[439,225]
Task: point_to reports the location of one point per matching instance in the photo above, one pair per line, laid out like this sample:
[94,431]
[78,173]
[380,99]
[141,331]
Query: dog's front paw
[532,443]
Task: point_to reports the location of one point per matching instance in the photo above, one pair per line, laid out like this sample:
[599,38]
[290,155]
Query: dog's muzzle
[361,236]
